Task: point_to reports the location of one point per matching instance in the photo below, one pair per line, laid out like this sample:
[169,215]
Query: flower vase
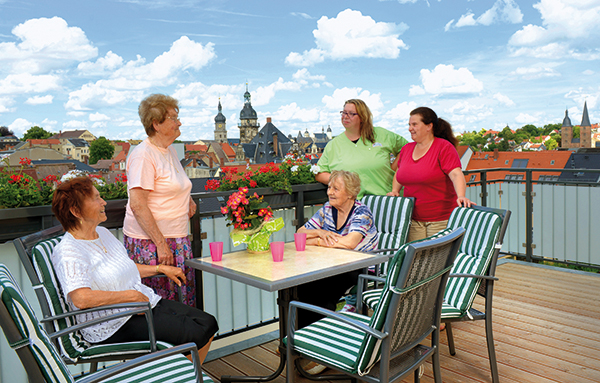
[257,240]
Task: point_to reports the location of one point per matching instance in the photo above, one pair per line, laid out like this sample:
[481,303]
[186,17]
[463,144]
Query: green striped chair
[35,252]
[476,261]
[43,362]
[474,271]
[385,347]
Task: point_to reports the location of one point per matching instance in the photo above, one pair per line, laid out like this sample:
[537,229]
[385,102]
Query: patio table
[297,268]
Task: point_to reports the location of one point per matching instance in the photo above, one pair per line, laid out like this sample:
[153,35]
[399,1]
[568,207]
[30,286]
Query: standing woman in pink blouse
[160,206]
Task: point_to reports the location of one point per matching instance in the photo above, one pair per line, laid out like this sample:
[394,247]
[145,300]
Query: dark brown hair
[441,127]
[71,195]
[366,120]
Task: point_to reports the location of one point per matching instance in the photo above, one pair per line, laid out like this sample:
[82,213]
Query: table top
[297,267]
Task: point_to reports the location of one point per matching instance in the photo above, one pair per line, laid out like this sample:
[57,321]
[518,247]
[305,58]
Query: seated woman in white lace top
[94,269]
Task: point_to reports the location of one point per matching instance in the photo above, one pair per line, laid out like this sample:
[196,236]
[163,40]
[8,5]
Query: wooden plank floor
[546,329]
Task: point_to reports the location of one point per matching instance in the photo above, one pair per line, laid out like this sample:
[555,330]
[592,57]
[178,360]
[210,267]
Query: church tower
[566,131]
[248,120]
[220,126]
[585,129]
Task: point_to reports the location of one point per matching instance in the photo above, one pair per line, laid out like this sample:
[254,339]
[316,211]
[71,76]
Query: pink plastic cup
[277,251]
[216,251]
[300,241]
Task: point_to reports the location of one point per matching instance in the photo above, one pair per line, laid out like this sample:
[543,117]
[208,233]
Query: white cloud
[99,117]
[104,65]
[588,72]
[534,72]
[46,44]
[293,112]
[580,96]
[569,29]
[264,94]
[302,15]
[335,102]
[350,35]
[28,83]
[525,118]
[444,79]
[396,119]
[129,82]
[197,93]
[20,126]
[503,11]
[38,100]
[99,124]
[505,100]
[5,104]
[48,123]
[75,124]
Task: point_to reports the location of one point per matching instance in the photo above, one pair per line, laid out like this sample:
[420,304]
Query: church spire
[585,119]
[567,120]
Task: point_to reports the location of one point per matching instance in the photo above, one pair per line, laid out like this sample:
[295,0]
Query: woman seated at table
[342,222]
[94,269]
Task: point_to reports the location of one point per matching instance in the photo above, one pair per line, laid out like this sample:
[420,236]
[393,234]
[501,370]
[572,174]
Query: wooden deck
[546,328]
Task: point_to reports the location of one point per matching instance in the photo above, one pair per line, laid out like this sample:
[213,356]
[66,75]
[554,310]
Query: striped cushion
[392,219]
[371,349]
[331,341]
[482,229]
[73,346]
[174,368]
[47,357]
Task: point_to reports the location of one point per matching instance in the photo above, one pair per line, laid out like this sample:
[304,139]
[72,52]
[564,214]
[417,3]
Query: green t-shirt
[371,160]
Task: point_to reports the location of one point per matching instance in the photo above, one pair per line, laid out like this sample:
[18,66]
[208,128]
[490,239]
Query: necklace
[93,242]
[167,158]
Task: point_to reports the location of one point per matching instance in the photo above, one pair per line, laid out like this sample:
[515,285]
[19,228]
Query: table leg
[284,297]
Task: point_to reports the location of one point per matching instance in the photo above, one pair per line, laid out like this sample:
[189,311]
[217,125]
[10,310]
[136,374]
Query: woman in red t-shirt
[429,169]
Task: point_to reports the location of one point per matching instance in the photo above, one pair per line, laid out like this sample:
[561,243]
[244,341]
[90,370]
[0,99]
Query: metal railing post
[484,193]
[528,215]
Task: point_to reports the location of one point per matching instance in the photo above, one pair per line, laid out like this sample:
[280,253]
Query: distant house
[582,159]
[8,142]
[76,148]
[80,134]
[548,159]
[269,145]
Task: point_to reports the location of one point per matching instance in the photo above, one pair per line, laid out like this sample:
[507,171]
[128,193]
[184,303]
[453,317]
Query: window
[506,162]
[552,162]
[472,178]
[519,163]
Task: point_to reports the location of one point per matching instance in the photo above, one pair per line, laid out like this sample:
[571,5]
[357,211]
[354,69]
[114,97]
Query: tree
[101,149]
[37,133]
[506,134]
[550,127]
[556,137]
[576,130]
[531,130]
[551,144]
[4,131]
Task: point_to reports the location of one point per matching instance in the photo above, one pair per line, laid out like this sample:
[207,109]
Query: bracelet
[157,271]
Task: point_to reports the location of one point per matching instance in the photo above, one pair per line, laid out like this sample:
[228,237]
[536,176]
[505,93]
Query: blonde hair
[155,108]
[351,181]
[366,120]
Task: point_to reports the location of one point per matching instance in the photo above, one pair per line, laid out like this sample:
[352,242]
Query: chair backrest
[484,232]
[25,335]
[411,298]
[392,217]
[36,258]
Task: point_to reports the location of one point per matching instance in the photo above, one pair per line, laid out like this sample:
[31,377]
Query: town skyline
[479,65]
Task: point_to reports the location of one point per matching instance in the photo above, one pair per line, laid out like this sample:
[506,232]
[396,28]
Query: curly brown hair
[155,108]
[70,196]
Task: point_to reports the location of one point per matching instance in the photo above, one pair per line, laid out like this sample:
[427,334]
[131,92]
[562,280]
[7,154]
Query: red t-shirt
[427,180]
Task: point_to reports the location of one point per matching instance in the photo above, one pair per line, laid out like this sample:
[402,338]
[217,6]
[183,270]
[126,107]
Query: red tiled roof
[49,141]
[196,148]
[542,159]
[462,149]
[228,150]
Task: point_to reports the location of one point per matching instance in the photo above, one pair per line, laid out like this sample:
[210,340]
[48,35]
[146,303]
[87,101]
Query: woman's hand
[327,238]
[192,208]
[393,194]
[165,256]
[174,273]
[464,202]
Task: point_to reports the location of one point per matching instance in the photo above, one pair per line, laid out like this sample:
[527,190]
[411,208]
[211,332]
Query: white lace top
[80,263]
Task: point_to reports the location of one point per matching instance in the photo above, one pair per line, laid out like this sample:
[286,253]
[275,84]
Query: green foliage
[551,144]
[576,130]
[101,149]
[117,190]
[550,127]
[37,133]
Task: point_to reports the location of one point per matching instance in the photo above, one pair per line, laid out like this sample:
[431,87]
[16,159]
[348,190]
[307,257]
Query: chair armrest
[121,367]
[488,277]
[379,251]
[133,308]
[295,305]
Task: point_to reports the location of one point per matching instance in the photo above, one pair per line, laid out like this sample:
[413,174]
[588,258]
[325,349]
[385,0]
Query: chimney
[210,162]
[496,155]
[268,119]
[275,144]
[222,162]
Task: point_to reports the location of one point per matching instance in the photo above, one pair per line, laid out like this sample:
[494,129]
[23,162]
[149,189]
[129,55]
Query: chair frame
[486,290]
[20,345]
[384,373]
[24,246]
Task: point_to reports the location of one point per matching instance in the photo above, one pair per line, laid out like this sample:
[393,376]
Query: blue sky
[68,65]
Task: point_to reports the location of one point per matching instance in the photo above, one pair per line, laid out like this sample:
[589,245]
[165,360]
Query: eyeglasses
[175,119]
[348,114]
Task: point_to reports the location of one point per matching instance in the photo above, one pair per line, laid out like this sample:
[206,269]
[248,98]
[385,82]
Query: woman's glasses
[348,114]
[176,119]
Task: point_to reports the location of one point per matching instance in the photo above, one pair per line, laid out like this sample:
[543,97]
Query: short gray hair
[351,181]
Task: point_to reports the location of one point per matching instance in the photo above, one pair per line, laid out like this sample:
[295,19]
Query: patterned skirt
[143,251]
